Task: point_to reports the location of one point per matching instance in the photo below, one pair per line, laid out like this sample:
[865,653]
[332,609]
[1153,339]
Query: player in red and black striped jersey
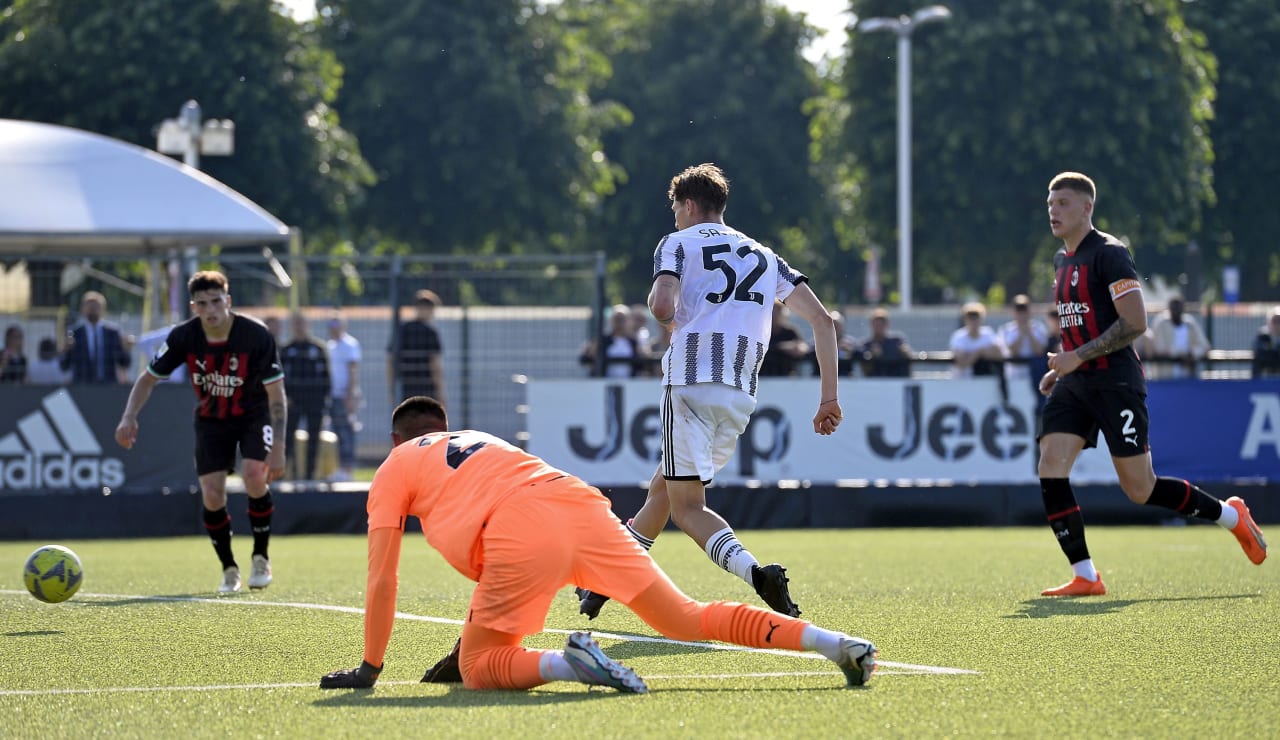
[230,375]
[1087,283]
[235,372]
[1096,384]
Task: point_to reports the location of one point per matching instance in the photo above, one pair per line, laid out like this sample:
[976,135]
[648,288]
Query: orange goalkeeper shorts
[545,537]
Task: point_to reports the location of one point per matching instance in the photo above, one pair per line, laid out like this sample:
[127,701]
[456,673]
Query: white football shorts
[701,424]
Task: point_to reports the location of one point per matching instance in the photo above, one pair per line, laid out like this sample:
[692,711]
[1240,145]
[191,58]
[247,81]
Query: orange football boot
[1078,587]
[1247,533]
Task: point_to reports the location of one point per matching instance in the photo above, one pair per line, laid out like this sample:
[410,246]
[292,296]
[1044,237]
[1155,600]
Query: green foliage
[1241,226]
[120,68]
[842,181]
[710,81]
[476,119]
[519,126]
[1007,94]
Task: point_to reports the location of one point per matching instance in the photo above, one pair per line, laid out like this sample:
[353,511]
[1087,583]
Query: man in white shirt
[344,389]
[1025,339]
[1178,338]
[46,368]
[976,349]
[717,286]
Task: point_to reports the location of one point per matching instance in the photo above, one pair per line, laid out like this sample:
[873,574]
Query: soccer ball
[53,573]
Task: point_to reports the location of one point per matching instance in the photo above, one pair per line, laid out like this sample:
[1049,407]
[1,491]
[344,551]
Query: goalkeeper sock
[751,626]
[826,642]
[552,666]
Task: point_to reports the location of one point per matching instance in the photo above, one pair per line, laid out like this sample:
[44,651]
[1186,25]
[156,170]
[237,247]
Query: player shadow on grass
[647,646]
[157,599]
[1052,606]
[456,696]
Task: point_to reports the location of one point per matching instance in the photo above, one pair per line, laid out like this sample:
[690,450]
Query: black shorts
[218,439]
[1083,409]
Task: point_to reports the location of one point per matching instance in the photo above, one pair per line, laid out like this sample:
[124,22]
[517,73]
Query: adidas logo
[54,447]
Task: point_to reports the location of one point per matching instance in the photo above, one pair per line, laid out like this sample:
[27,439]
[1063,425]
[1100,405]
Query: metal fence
[502,320]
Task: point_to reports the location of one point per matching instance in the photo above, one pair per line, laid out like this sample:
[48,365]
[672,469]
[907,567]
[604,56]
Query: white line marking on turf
[314,684]
[148,689]
[904,668]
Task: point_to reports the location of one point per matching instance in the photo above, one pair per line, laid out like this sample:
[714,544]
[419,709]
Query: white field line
[315,684]
[901,668]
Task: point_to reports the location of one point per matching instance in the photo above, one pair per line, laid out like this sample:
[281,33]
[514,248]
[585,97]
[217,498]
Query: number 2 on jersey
[741,290]
[455,453]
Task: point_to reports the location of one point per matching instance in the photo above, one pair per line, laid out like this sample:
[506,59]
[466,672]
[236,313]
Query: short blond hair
[1076,181]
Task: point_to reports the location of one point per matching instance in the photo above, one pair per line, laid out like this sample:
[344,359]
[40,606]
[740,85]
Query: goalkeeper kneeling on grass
[523,530]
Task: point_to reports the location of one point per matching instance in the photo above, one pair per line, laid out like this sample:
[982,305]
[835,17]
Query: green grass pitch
[1186,644]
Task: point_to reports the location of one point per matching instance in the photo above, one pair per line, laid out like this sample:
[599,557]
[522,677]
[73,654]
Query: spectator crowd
[324,366]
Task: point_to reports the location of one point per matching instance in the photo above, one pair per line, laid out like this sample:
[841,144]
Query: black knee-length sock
[1188,500]
[1065,518]
[260,510]
[218,524]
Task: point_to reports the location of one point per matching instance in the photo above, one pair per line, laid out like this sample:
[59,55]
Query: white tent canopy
[69,192]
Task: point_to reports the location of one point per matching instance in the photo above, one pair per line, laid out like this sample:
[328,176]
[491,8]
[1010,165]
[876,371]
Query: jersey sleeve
[668,257]
[381,584]
[266,364]
[170,356]
[1119,272]
[389,495]
[788,278]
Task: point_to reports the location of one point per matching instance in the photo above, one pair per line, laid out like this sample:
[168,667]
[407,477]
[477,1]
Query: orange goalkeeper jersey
[452,482]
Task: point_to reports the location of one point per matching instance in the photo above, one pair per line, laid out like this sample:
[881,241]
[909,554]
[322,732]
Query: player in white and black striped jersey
[717,286]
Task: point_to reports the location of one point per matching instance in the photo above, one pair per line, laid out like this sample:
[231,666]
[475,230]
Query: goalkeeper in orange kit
[522,530]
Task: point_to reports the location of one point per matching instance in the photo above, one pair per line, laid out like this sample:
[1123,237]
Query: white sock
[726,551]
[1085,569]
[553,667]
[1230,517]
[816,639]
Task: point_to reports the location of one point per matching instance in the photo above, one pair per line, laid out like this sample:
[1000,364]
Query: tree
[1005,95]
[1241,227]
[719,81]
[476,119]
[120,68]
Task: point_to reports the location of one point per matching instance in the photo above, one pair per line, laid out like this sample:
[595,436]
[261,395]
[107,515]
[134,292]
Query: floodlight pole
[190,135]
[189,117]
[904,26]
